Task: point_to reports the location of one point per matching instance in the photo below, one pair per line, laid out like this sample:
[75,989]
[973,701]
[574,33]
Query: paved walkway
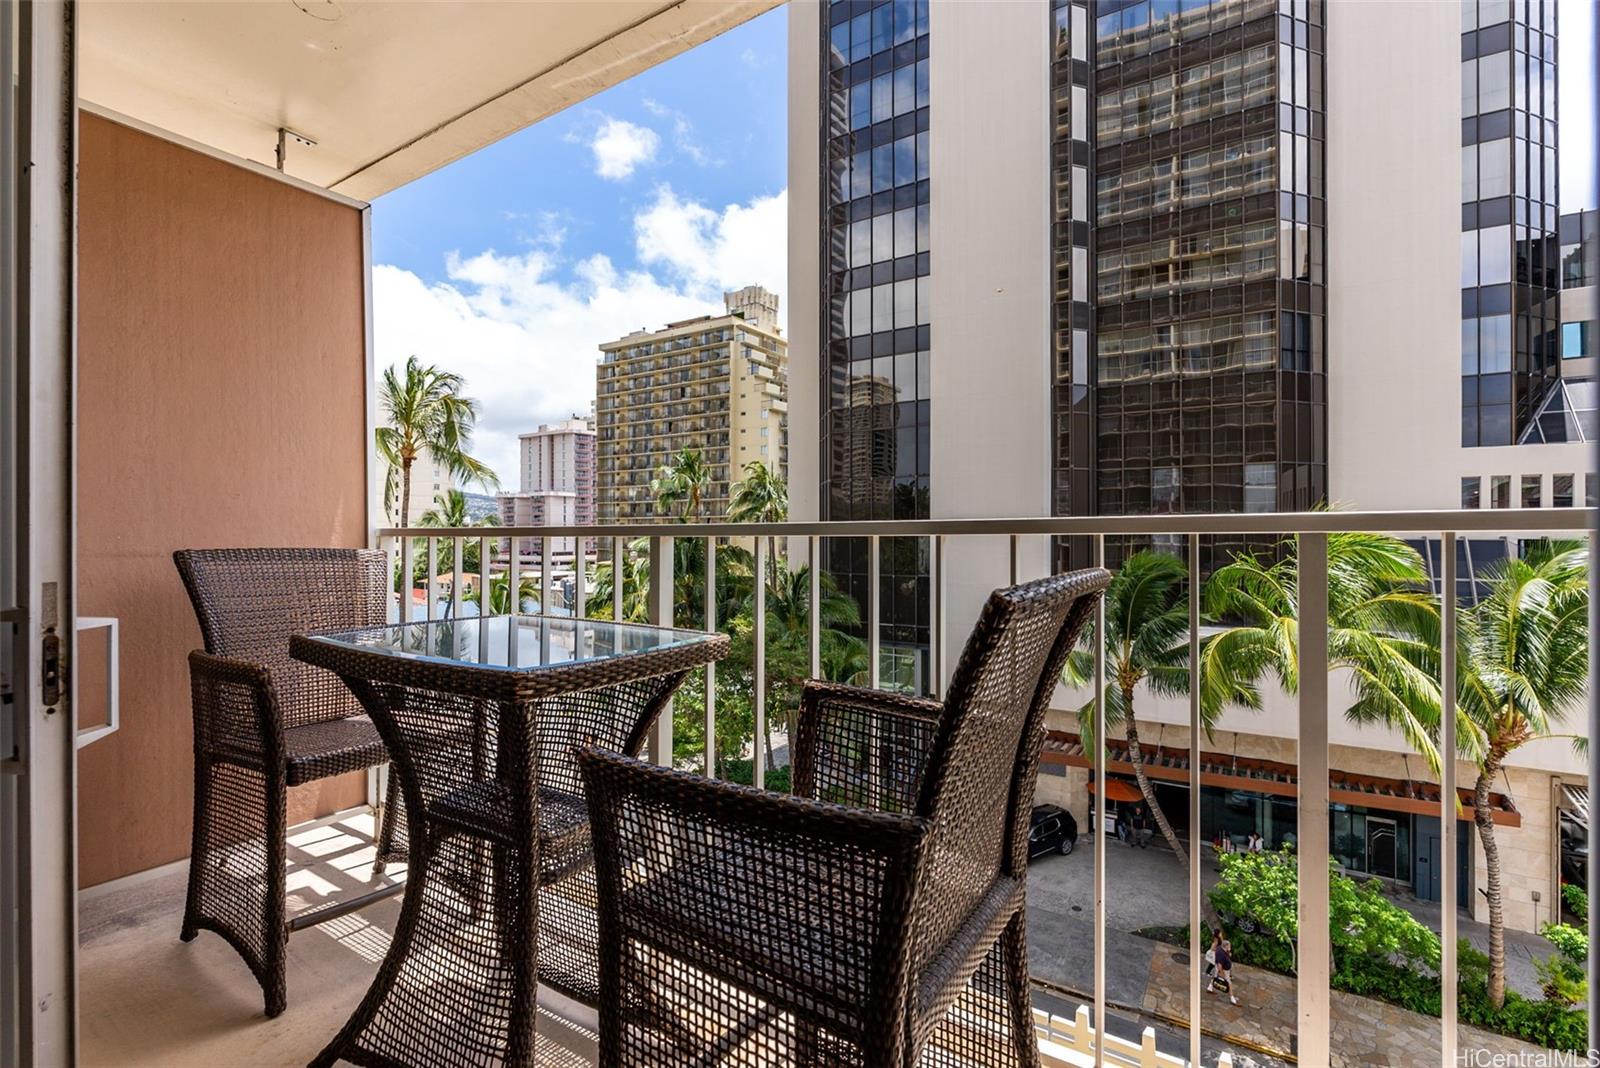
[1146,888]
[1149,980]
[1367,1033]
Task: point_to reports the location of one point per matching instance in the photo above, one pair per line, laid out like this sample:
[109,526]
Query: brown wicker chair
[877,918]
[263,723]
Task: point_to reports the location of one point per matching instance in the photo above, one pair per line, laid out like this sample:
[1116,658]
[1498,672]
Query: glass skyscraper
[1510,284]
[1191,377]
[876,317]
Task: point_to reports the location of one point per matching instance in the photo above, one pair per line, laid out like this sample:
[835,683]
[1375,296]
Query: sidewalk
[1366,1032]
[1147,888]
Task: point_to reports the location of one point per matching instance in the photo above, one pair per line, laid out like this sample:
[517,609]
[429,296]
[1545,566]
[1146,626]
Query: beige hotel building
[718,384]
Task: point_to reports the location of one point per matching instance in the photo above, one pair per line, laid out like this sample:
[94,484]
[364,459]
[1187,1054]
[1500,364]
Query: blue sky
[641,205]
[717,113]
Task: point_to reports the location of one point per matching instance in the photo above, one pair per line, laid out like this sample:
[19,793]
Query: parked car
[1052,828]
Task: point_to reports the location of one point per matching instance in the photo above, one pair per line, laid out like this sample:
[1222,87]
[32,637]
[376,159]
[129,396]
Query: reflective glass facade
[1208,377]
[876,316]
[1072,253]
[1510,260]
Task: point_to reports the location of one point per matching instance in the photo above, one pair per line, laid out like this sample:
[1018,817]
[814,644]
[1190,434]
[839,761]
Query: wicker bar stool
[263,723]
[877,918]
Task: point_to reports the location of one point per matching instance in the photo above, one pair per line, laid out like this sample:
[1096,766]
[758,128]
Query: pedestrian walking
[1222,955]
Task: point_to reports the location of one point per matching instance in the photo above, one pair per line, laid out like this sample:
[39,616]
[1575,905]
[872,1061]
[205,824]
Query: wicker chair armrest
[235,707]
[804,901]
[861,747]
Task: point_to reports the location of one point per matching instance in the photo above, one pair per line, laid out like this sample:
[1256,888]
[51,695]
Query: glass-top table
[481,717]
[512,643]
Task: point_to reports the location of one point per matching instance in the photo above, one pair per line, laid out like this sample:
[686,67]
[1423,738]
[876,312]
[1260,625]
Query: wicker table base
[500,891]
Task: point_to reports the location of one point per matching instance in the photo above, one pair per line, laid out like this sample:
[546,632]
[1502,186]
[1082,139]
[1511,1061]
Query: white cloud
[621,146]
[524,329]
[740,245]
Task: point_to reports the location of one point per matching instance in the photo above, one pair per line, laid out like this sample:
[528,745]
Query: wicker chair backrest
[249,601]
[978,787]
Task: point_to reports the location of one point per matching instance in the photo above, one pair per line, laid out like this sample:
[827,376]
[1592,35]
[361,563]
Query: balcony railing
[805,541]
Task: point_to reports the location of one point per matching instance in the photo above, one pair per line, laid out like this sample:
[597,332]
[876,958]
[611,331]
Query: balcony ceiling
[389,91]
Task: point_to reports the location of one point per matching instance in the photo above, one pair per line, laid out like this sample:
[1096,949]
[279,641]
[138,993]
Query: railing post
[814,616]
[1593,864]
[1097,828]
[545,585]
[758,634]
[1448,826]
[391,565]
[484,576]
[458,565]
[711,666]
[874,564]
[408,552]
[659,607]
[433,575]
[1196,838]
[619,571]
[514,581]
[936,617]
[580,578]
[1312,828]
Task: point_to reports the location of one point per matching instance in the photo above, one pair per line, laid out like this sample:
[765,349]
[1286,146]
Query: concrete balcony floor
[147,999]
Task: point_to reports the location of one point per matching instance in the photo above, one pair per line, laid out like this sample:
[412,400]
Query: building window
[1532,491]
[1561,491]
[1472,492]
[1260,487]
[1591,489]
[1500,491]
[1575,340]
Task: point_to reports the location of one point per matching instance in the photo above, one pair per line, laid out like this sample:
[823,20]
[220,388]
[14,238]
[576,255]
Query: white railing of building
[1311,529]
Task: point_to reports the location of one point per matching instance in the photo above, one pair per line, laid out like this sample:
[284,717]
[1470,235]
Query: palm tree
[500,595]
[635,581]
[426,413]
[1523,666]
[1383,627]
[761,497]
[450,511]
[1146,641]
[681,484]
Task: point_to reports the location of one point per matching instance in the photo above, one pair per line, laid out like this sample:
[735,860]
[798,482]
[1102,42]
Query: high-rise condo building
[716,384]
[557,482]
[1122,257]
[1152,231]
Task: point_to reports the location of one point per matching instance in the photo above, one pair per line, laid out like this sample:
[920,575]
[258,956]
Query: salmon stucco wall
[221,376]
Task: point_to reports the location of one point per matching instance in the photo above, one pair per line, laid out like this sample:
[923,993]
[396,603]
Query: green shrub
[1577,900]
[777,780]
[1564,977]
[1258,896]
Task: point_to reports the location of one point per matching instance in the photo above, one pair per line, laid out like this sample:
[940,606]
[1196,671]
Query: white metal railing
[1311,528]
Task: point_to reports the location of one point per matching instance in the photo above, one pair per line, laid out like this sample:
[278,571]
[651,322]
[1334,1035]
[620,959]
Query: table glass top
[512,643]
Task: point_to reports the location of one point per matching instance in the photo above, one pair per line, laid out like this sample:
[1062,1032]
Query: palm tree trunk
[1136,758]
[405,492]
[1481,815]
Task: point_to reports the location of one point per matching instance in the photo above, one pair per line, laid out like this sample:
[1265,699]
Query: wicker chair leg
[275,924]
[198,843]
[1014,948]
[389,824]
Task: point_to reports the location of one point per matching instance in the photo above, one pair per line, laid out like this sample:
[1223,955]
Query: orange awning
[1168,764]
[1119,790]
